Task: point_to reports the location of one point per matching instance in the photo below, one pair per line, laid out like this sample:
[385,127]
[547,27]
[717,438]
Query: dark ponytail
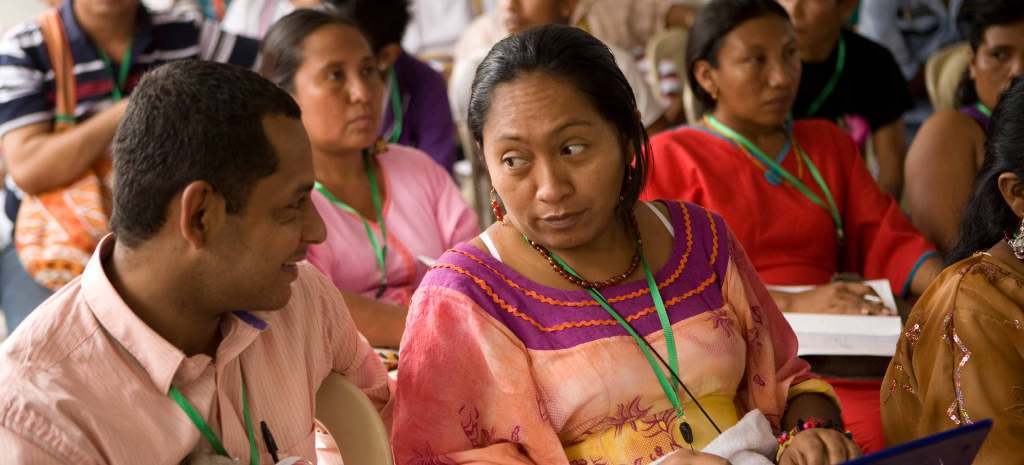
[988,218]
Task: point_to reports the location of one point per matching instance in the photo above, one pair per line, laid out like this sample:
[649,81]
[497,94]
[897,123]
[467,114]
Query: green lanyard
[122,74]
[983,109]
[380,249]
[831,207]
[207,432]
[669,386]
[830,86]
[396,108]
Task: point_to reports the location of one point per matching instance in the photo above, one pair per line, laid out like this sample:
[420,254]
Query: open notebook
[827,334]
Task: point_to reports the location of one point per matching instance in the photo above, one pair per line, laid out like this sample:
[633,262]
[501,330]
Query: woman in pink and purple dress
[513,356]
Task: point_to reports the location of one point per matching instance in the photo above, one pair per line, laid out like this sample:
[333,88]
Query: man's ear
[387,56]
[200,212]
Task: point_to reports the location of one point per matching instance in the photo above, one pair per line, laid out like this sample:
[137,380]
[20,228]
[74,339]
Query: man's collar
[156,355]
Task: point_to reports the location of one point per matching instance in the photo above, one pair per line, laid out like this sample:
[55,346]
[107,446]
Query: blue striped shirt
[27,91]
[26,75]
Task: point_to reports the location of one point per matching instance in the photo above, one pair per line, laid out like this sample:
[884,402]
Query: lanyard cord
[207,432]
[380,249]
[648,351]
[799,185]
[983,109]
[122,73]
[397,111]
[830,86]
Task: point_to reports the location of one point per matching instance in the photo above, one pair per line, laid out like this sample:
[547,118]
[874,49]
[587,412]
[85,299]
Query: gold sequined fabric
[961,359]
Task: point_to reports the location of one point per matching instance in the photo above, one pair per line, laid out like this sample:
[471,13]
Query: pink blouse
[424,213]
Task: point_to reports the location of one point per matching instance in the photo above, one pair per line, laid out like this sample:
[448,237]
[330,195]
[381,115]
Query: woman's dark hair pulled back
[974,18]
[571,54]
[715,21]
[987,217]
[282,46]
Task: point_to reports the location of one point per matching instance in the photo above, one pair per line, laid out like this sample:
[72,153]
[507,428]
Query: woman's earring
[1017,242]
[499,212]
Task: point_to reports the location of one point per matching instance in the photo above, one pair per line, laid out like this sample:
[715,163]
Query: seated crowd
[220,204]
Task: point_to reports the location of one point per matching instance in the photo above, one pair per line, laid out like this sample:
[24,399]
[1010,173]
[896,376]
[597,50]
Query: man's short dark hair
[383,21]
[191,121]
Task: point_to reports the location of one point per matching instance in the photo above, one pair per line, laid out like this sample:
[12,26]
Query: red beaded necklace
[633,264]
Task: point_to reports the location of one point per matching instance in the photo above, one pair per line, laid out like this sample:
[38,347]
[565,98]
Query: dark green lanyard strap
[983,109]
[830,86]
[380,249]
[396,108]
[668,386]
[754,150]
[122,74]
[207,432]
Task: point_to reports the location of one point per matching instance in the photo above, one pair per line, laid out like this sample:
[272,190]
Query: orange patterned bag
[56,231]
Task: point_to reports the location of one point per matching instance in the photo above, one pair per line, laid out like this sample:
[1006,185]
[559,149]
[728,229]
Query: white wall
[15,11]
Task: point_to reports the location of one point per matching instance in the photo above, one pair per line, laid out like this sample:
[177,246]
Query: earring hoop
[496,208]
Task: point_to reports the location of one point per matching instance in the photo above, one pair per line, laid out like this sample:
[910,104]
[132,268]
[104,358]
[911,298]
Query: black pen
[268,440]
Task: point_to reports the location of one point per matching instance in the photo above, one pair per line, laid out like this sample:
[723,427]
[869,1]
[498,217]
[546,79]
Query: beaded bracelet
[786,438]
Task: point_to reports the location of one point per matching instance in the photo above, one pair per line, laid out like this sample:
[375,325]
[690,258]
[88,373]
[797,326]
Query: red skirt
[862,411]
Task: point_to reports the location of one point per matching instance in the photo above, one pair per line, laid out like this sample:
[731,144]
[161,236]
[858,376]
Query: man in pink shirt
[197,319]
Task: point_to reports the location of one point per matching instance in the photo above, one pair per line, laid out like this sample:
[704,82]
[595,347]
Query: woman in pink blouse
[389,209]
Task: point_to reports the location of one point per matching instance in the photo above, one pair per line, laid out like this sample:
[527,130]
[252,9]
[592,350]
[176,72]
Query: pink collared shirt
[83,380]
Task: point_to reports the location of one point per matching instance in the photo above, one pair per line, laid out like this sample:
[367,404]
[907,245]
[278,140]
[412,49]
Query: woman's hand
[685,457]
[819,446]
[837,297]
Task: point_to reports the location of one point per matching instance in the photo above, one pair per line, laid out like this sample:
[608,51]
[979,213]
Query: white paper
[823,334]
[832,334]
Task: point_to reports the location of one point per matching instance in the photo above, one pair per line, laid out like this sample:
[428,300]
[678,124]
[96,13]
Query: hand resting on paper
[842,297]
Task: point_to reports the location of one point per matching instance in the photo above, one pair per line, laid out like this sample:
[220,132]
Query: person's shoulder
[418,69]
[865,48]
[46,353]
[951,124]
[680,135]
[50,337]
[816,126]
[311,284]
[18,38]
[980,287]
[411,162]
[178,14]
[700,226]
[824,141]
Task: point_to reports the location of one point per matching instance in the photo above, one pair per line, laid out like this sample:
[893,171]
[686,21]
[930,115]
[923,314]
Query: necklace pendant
[686,431]
[773,178]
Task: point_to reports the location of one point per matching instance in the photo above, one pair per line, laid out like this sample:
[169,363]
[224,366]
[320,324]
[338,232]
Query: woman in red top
[797,195]
[746,71]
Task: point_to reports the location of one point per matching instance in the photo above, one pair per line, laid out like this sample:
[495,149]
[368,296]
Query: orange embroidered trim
[714,238]
[632,295]
[571,324]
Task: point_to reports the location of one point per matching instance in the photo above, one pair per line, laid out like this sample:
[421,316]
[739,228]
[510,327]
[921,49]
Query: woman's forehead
[336,40]
[538,99]
[759,31]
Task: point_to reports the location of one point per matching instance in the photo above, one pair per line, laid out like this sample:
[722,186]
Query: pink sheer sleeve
[774,372]
[465,390]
